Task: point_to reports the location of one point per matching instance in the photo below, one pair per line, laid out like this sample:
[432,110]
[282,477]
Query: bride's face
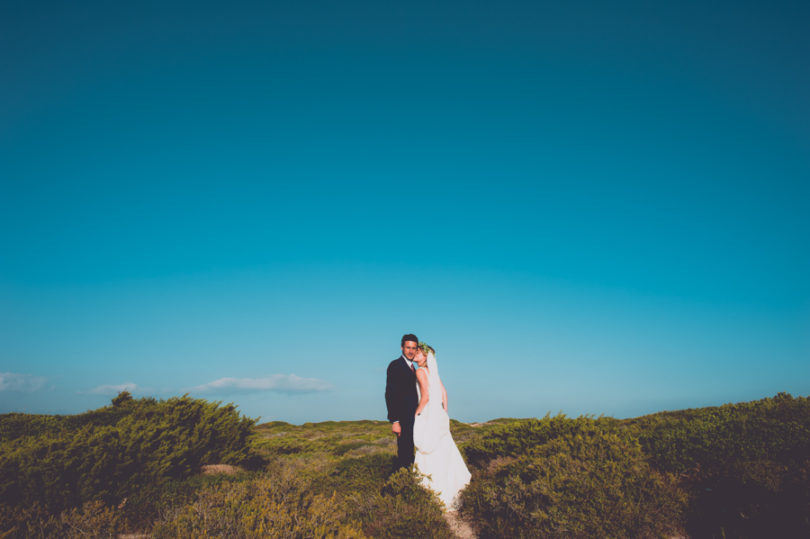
[421,358]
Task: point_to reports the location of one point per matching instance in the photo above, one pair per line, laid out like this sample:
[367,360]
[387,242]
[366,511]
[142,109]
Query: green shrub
[364,475]
[270,506]
[328,439]
[516,437]
[402,508]
[753,499]
[741,463]
[93,519]
[745,467]
[111,453]
[584,482]
[707,440]
[386,502]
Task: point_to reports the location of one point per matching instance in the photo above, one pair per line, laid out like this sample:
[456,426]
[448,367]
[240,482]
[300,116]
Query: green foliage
[561,477]
[268,506]
[516,437]
[738,470]
[326,440]
[112,453]
[402,508]
[284,503]
[16,425]
[93,519]
[363,475]
[708,440]
[745,465]
[386,502]
[123,399]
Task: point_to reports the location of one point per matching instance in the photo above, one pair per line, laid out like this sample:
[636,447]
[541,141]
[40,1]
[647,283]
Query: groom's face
[409,349]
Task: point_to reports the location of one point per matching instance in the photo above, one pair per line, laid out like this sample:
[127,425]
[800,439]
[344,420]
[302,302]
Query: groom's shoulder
[393,363]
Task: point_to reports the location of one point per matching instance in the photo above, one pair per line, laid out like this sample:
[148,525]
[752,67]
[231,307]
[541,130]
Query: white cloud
[281,383]
[112,389]
[12,381]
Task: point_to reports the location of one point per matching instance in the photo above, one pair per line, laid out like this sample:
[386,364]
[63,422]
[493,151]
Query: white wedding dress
[437,456]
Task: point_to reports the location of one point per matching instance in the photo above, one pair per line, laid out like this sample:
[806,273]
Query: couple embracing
[417,409]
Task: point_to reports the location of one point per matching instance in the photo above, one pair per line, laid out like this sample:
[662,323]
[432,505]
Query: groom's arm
[391,396]
[391,401]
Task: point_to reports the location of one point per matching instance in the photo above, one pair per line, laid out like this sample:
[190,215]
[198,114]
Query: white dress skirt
[437,456]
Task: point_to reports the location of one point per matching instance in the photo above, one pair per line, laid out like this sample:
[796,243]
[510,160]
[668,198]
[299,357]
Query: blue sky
[585,208]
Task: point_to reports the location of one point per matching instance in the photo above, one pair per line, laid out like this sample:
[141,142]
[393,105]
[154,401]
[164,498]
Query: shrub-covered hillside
[738,470]
[139,466]
[122,452]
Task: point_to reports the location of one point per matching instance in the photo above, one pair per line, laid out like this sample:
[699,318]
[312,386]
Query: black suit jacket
[400,392]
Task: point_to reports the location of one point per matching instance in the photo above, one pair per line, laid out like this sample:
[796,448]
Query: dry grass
[223,469]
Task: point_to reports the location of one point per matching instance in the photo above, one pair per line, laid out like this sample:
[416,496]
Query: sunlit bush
[516,437]
[132,467]
[584,482]
[270,506]
[402,508]
[744,465]
[93,519]
[364,475]
[114,452]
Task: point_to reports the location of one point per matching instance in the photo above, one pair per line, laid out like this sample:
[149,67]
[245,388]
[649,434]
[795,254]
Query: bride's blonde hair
[426,348]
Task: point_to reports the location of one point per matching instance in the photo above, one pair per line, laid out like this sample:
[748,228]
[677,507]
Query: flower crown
[426,348]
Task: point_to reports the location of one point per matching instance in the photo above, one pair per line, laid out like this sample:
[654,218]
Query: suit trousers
[405,444]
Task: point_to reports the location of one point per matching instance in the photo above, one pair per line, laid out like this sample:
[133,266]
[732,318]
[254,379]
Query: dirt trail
[461,528]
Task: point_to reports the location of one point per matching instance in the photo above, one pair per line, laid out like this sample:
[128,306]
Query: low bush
[63,463]
[364,475]
[744,465]
[516,437]
[386,502]
[93,519]
[582,481]
[356,498]
[269,506]
[402,508]
[709,440]
[739,470]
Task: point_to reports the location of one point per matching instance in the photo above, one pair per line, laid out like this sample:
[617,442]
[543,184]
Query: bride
[437,456]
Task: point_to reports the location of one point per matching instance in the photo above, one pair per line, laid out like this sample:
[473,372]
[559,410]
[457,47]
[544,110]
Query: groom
[401,399]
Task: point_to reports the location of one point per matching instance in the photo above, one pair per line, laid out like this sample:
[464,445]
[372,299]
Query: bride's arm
[432,364]
[421,377]
[444,396]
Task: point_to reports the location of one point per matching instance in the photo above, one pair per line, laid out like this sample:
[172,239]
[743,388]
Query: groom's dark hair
[409,337]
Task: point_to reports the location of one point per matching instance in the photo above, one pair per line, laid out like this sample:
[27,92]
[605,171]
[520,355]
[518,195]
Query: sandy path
[460,527]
